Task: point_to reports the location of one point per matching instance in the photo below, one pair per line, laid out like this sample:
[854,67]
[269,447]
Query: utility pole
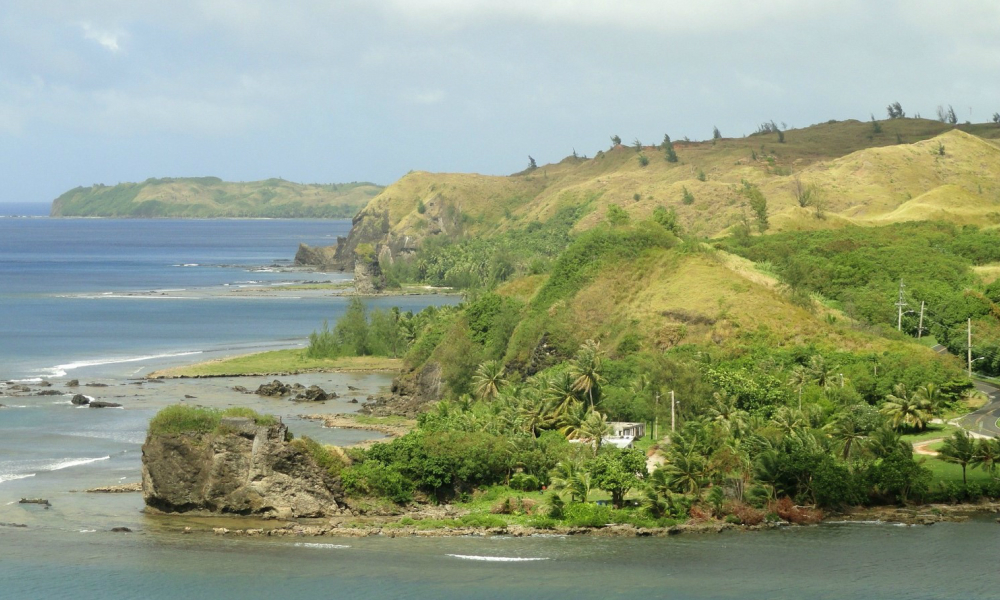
[970,348]
[656,418]
[920,328]
[673,412]
[900,304]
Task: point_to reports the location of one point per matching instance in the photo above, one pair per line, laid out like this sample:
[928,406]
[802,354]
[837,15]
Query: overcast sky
[96,91]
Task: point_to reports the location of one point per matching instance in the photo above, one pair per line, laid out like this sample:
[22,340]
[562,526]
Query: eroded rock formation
[240,469]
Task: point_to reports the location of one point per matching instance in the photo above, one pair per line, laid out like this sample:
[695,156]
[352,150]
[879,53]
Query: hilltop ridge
[852,172]
[207,197]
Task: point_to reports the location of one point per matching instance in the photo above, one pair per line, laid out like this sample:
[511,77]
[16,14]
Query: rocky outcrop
[368,278]
[240,469]
[316,256]
[102,404]
[80,400]
[314,394]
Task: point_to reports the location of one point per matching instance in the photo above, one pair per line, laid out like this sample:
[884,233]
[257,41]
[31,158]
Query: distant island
[211,197]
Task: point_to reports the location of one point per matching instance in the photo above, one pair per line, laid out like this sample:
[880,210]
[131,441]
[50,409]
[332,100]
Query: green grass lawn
[280,361]
[934,430]
[951,473]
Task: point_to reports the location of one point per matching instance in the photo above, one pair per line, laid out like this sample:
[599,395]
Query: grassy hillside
[206,197]
[854,172]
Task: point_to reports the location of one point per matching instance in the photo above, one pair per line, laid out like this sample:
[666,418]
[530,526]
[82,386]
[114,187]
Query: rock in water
[80,399]
[240,469]
[102,404]
[314,394]
[73,383]
[275,388]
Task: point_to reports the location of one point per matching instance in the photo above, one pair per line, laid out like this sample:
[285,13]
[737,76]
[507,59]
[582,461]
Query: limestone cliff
[239,469]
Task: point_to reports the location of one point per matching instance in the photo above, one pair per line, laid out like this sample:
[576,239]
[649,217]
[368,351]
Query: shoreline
[350,525]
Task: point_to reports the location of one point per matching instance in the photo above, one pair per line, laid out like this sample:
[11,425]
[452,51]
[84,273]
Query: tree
[586,369]
[687,197]
[615,141]
[987,455]
[996,118]
[931,396]
[820,372]
[947,116]
[798,379]
[895,111]
[959,449]
[668,149]
[758,204]
[803,193]
[847,432]
[876,126]
[617,471]
[905,409]
[488,380]
[532,165]
[637,145]
[595,427]
[715,133]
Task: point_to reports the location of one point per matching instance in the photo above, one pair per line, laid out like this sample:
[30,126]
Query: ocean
[106,301]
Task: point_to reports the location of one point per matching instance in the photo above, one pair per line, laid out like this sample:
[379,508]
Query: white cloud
[108,39]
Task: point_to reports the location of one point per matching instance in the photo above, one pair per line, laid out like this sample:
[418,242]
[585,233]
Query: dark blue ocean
[62,281]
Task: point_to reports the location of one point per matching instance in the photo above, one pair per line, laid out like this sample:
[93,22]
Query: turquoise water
[863,562]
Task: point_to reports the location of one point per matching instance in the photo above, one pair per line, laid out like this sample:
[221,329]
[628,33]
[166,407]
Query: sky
[107,91]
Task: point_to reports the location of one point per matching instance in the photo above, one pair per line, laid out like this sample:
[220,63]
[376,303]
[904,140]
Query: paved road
[984,420]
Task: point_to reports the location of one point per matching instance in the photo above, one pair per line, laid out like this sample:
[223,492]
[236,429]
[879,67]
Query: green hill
[853,173]
[208,197]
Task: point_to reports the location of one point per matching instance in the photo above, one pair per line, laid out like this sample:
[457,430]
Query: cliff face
[242,469]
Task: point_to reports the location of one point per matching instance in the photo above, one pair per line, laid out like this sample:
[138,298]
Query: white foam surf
[61,370]
[495,558]
[74,462]
[5,478]
[313,545]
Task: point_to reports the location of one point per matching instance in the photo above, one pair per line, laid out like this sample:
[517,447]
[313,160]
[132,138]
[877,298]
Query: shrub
[525,482]
[485,521]
[799,515]
[687,197]
[746,514]
[586,514]
[325,456]
[540,522]
[616,215]
[421,207]
[643,160]
[374,478]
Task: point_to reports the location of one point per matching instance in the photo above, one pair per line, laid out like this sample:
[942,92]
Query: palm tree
[799,379]
[931,394]
[561,477]
[987,455]
[560,395]
[959,449]
[586,369]
[686,472]
[905,409]
[819,372]
[488,380]
[885,441]
[724,411]
[571,422]
[846,432]
[595,427]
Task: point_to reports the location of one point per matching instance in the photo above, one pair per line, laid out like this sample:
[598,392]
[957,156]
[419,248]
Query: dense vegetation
[860,270]
[207,197]
[485,262]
